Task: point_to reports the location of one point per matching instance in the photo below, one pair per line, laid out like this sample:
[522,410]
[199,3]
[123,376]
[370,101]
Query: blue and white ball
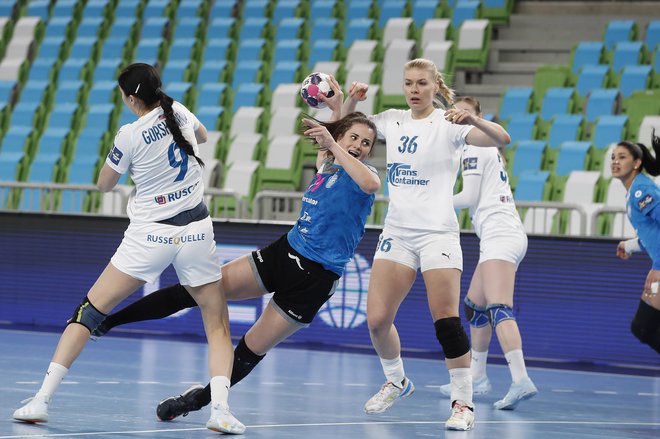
[347,308]
[313,86]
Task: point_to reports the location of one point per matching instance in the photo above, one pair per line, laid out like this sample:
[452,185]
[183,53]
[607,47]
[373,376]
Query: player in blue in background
[643,206]
[302,267]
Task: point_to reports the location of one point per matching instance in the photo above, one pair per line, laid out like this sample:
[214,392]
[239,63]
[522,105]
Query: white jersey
[423,157]
[167,181]
[495,195]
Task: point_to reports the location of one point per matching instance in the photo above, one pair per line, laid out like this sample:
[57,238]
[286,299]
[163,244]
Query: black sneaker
[175,406]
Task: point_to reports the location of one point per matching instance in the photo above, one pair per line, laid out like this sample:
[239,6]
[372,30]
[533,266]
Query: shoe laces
[386,391]
[460,410]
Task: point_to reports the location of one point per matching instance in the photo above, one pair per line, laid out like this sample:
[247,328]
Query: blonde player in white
[503,244]
[169,224]
[424,145]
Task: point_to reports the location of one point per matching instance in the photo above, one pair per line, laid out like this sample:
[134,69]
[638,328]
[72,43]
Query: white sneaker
[479,387]
[223,421]
[386,396]
[462,417]
[520,391]
[36,409]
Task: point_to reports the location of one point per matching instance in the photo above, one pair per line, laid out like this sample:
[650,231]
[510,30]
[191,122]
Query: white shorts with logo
[147,249]
[503,243]
[420,249]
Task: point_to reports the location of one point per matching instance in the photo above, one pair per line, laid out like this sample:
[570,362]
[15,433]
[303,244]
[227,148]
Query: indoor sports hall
[567,79]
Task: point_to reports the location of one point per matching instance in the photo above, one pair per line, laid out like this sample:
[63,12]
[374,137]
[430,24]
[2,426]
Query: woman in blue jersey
[643,206]
[159,150]
[302,267]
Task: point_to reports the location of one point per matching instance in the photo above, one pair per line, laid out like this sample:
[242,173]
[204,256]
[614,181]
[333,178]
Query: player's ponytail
[143,82]
[651,164]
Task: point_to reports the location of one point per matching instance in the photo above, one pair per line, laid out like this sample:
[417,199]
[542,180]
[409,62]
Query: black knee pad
[87,315]
[645,323]
[476,315]
[452,337]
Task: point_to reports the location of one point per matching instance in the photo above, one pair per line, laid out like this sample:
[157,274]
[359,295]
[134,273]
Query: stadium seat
[516,100]
[465,10]
[249,120]
[587,53]
[627,53]
[649,124]
[392,9]
[634,78]
[292,28]
[288,50]
[253,49]
[359,29]
[497,11]
[618,31]
[591,77]
[324,29]
[282,168]
[522,127]
[213,93]
[564,127]
[434,30]
[601,102]
[211,116]
[286,96]
[324,50]
[528,156]
[473,44]
[423,11]
[219,49]
[214,71]
[580,189]
[573,156]
[222,27]
[287,8]
[360,51]
[285,72]
[609,129]
[244,148]
[249,95]
[187,27]
[398,28]
[283,122]
[185,49]
[652,39]
[548,76]
[72,69]
[249,71]
[443,55]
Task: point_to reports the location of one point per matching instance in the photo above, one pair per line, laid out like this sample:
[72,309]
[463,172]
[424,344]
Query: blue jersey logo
[401,174]
[115,155]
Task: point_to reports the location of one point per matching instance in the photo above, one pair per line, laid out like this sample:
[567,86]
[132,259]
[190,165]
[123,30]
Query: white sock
[54,376]
[516,364]
[393,370]
[478,364]
[220,390]
[461,385]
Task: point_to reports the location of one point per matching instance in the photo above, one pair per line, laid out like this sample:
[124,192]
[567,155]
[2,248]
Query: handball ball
[313,86]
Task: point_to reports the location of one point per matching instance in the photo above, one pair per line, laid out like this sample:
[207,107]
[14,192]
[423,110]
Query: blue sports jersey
[644,214]
[332,219]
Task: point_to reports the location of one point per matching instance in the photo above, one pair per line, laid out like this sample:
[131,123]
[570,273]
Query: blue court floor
[114,387]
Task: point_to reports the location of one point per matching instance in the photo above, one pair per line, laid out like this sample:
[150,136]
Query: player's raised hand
[318,133]
[358,91]
[335,101]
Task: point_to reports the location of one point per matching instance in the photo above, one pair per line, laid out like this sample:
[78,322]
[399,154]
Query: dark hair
[338,128]
[639,151]
[142,81]
[470,100]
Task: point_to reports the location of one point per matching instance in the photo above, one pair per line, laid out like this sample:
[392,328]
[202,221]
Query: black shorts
[301,286]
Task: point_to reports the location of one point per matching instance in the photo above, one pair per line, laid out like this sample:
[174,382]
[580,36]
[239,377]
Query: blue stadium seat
[69,91]
[609,129]
[573,156]
[83,47]
[190,8]
[254,28]
[178,90]
[51,47]
[121,28]
[175,70]
[16,139]
[7,89]
[248,95]
[464,10]
[617,31]
[53,141]
[522,127]
[211,116]
[112,49]
[323,8]
[247,72]
[153,27]
[591,77]
[64,8]
[27,114]
[358,9]
[33,91]
[285,9]
[147,50]
[94,9]
[557,100]
[72,68]
[223,8]
[213,71]
[63,116]
[423,10]
[99,117]
[528,156]
[652,39]
[323,29]
[187,27]
[284,72]
[358,29]
[42,68]
[102,92]
[564,127]
[155,8]
[219,49]
[38,8]
[222,27]
[255,8]
[182,49]
[251,49]
[58,27]
[212,94]
[288,50]
[323,50]
[292,28]
[10,165]
[627,53]
[587,53]
[89,27]
[601,102]
[126,9]
[531,185]
[516,100]
[391,9]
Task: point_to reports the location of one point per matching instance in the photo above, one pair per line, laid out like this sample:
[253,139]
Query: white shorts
[506,244]
[421,249]
[147,249]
